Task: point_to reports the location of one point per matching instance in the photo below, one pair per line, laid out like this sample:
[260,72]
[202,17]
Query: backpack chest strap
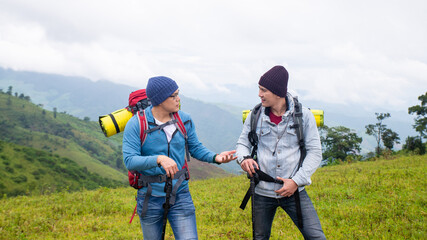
[160,127]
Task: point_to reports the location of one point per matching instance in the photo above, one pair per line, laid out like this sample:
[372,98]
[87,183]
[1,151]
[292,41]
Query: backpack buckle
[187,175]
[163,178]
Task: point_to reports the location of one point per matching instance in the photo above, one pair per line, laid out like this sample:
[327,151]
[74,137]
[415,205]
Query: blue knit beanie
[276,80]
[160,88]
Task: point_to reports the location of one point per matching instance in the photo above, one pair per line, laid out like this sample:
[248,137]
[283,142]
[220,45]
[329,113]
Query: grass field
[383,199]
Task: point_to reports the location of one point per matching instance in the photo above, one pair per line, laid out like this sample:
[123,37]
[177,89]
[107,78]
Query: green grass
[385,199]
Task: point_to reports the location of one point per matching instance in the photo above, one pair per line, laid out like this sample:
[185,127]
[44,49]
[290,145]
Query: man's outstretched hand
[225,157]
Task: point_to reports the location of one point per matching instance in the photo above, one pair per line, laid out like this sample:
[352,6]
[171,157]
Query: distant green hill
[23,123]
[65,142]
[25,170]
[384,199]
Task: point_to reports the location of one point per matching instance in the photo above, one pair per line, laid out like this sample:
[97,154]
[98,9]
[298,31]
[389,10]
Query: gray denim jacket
[282,140]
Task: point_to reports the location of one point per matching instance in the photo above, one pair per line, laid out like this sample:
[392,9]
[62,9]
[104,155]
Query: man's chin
[264,104]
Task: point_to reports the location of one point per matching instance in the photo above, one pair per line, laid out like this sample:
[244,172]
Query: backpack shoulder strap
[298,125]
[179,124]
[253,138]
[255,113]
[181,128]
[143,125]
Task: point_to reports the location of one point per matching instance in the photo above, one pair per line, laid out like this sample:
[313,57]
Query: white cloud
[367,52]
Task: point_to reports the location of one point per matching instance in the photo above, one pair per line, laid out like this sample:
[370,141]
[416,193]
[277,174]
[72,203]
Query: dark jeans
[181,217]
[265,209]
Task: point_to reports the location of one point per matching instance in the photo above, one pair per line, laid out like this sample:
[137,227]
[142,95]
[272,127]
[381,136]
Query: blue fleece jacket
[144,159]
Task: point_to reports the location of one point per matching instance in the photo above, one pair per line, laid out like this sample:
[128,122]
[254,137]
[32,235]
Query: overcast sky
[372,53]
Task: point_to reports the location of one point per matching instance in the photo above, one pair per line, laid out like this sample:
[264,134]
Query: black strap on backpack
[262,176]
[166,205]
[298,125]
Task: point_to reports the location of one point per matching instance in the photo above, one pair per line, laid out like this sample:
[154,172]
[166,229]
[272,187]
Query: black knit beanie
[275,80]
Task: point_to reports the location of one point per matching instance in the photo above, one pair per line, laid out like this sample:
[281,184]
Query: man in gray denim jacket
[278,155]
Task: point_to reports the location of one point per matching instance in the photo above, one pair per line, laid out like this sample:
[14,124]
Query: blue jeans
[181,216]
[265,209]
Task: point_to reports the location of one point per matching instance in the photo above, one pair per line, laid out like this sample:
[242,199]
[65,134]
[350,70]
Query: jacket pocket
[291,138]
[266,139]
[263,131]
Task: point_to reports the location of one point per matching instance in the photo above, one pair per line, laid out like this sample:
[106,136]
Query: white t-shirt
[169,129]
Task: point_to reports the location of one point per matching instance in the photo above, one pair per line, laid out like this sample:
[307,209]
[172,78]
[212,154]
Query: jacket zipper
[173,134]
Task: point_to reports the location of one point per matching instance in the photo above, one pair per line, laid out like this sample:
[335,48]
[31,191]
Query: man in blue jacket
[278,155]
[163,155]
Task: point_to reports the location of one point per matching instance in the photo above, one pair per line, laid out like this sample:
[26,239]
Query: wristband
[214,159]
[244,158]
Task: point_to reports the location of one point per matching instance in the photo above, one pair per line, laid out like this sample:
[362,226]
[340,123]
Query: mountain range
[218,124]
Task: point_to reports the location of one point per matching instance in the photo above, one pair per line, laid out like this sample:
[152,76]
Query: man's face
[171,104]
[268,98]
